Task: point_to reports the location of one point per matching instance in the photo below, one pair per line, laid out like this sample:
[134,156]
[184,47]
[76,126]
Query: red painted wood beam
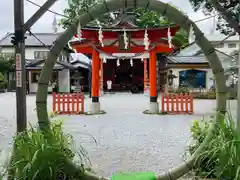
[112,49]
[153,33]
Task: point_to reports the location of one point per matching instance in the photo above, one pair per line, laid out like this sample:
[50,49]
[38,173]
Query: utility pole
[20,65]
[19,42]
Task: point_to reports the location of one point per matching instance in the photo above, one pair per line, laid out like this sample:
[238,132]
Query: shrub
[2,81]
[221,159]
[205,95]
[183,90]
[43,156]
[212,95]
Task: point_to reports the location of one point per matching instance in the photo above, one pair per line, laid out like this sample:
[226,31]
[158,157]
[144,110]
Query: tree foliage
[6,62]
[145,18]
[223,21]
[141,17]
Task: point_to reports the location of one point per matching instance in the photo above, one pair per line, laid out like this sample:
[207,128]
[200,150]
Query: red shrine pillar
[101,77]
[153,108]
[95,106]
[145,75]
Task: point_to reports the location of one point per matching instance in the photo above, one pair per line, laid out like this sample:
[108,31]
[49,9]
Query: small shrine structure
[126,43]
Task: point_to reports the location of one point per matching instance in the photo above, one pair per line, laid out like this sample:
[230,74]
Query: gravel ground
[127,140]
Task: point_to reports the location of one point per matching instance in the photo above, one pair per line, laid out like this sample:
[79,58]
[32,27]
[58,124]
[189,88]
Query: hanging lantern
[118,62]
[169,38]
[131,62]
[100,34]
[79,31]
[125,39]
[146,40]
[142,60]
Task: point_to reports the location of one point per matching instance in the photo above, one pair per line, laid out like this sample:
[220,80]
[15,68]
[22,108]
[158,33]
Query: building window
[36,74]
[40,55]
[232,45]
[219,45]
[34,77]
[192,78]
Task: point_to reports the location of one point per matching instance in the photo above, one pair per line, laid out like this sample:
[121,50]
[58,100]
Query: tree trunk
[227,15]
[174,15]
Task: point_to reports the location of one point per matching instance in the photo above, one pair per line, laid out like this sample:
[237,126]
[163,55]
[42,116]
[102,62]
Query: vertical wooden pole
[82,103]
[153,76]
[78,101]
[59,99]
[68,103]
[95,76]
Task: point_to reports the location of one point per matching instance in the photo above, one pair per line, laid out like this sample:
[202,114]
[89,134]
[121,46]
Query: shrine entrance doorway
[127,75]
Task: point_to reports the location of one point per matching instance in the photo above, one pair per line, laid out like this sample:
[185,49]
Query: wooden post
[95,76]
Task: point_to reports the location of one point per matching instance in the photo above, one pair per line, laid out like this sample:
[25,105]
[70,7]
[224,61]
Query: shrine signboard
[18,70]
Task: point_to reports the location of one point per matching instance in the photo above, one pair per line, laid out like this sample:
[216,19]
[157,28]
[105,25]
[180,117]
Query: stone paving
[127,140]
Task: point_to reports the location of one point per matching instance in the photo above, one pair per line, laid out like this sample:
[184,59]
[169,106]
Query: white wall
[64,80]
[29,52]
[209,75]
[228,50]
[33,86]
[218,38]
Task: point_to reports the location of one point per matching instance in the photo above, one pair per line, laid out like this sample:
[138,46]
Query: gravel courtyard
[127,140]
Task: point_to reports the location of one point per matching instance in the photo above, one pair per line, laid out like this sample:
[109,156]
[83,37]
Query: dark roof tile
[46,38]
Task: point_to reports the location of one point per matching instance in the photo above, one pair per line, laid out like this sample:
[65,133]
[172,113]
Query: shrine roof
[130,29]
[193,54]
[122,23]
[85,41]
[90,34]
[37,64]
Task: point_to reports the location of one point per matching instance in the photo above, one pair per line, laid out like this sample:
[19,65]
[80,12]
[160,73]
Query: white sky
[45,23]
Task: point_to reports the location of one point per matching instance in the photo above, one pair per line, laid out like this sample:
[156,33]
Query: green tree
[6,63]
[76,7]
[229,10]
[149,18]
[141,17]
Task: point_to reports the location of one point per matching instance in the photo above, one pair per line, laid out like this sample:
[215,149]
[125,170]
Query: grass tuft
[39,155]
[221,159]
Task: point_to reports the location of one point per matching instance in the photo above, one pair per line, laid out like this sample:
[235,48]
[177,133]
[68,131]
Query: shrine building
[125,55]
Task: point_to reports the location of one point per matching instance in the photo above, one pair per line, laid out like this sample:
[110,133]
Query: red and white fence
[177,103]
[68,103]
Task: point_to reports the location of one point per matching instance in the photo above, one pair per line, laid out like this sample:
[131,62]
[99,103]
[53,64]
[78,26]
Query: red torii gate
[111,39]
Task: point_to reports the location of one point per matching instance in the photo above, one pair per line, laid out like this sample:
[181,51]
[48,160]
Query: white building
[192,60]
[35,54]
[224,44]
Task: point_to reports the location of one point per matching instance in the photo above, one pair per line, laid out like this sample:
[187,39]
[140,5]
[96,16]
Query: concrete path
[127,140]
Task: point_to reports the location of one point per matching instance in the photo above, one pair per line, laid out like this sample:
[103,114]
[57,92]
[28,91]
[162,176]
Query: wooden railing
[68,103]
[177,103]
